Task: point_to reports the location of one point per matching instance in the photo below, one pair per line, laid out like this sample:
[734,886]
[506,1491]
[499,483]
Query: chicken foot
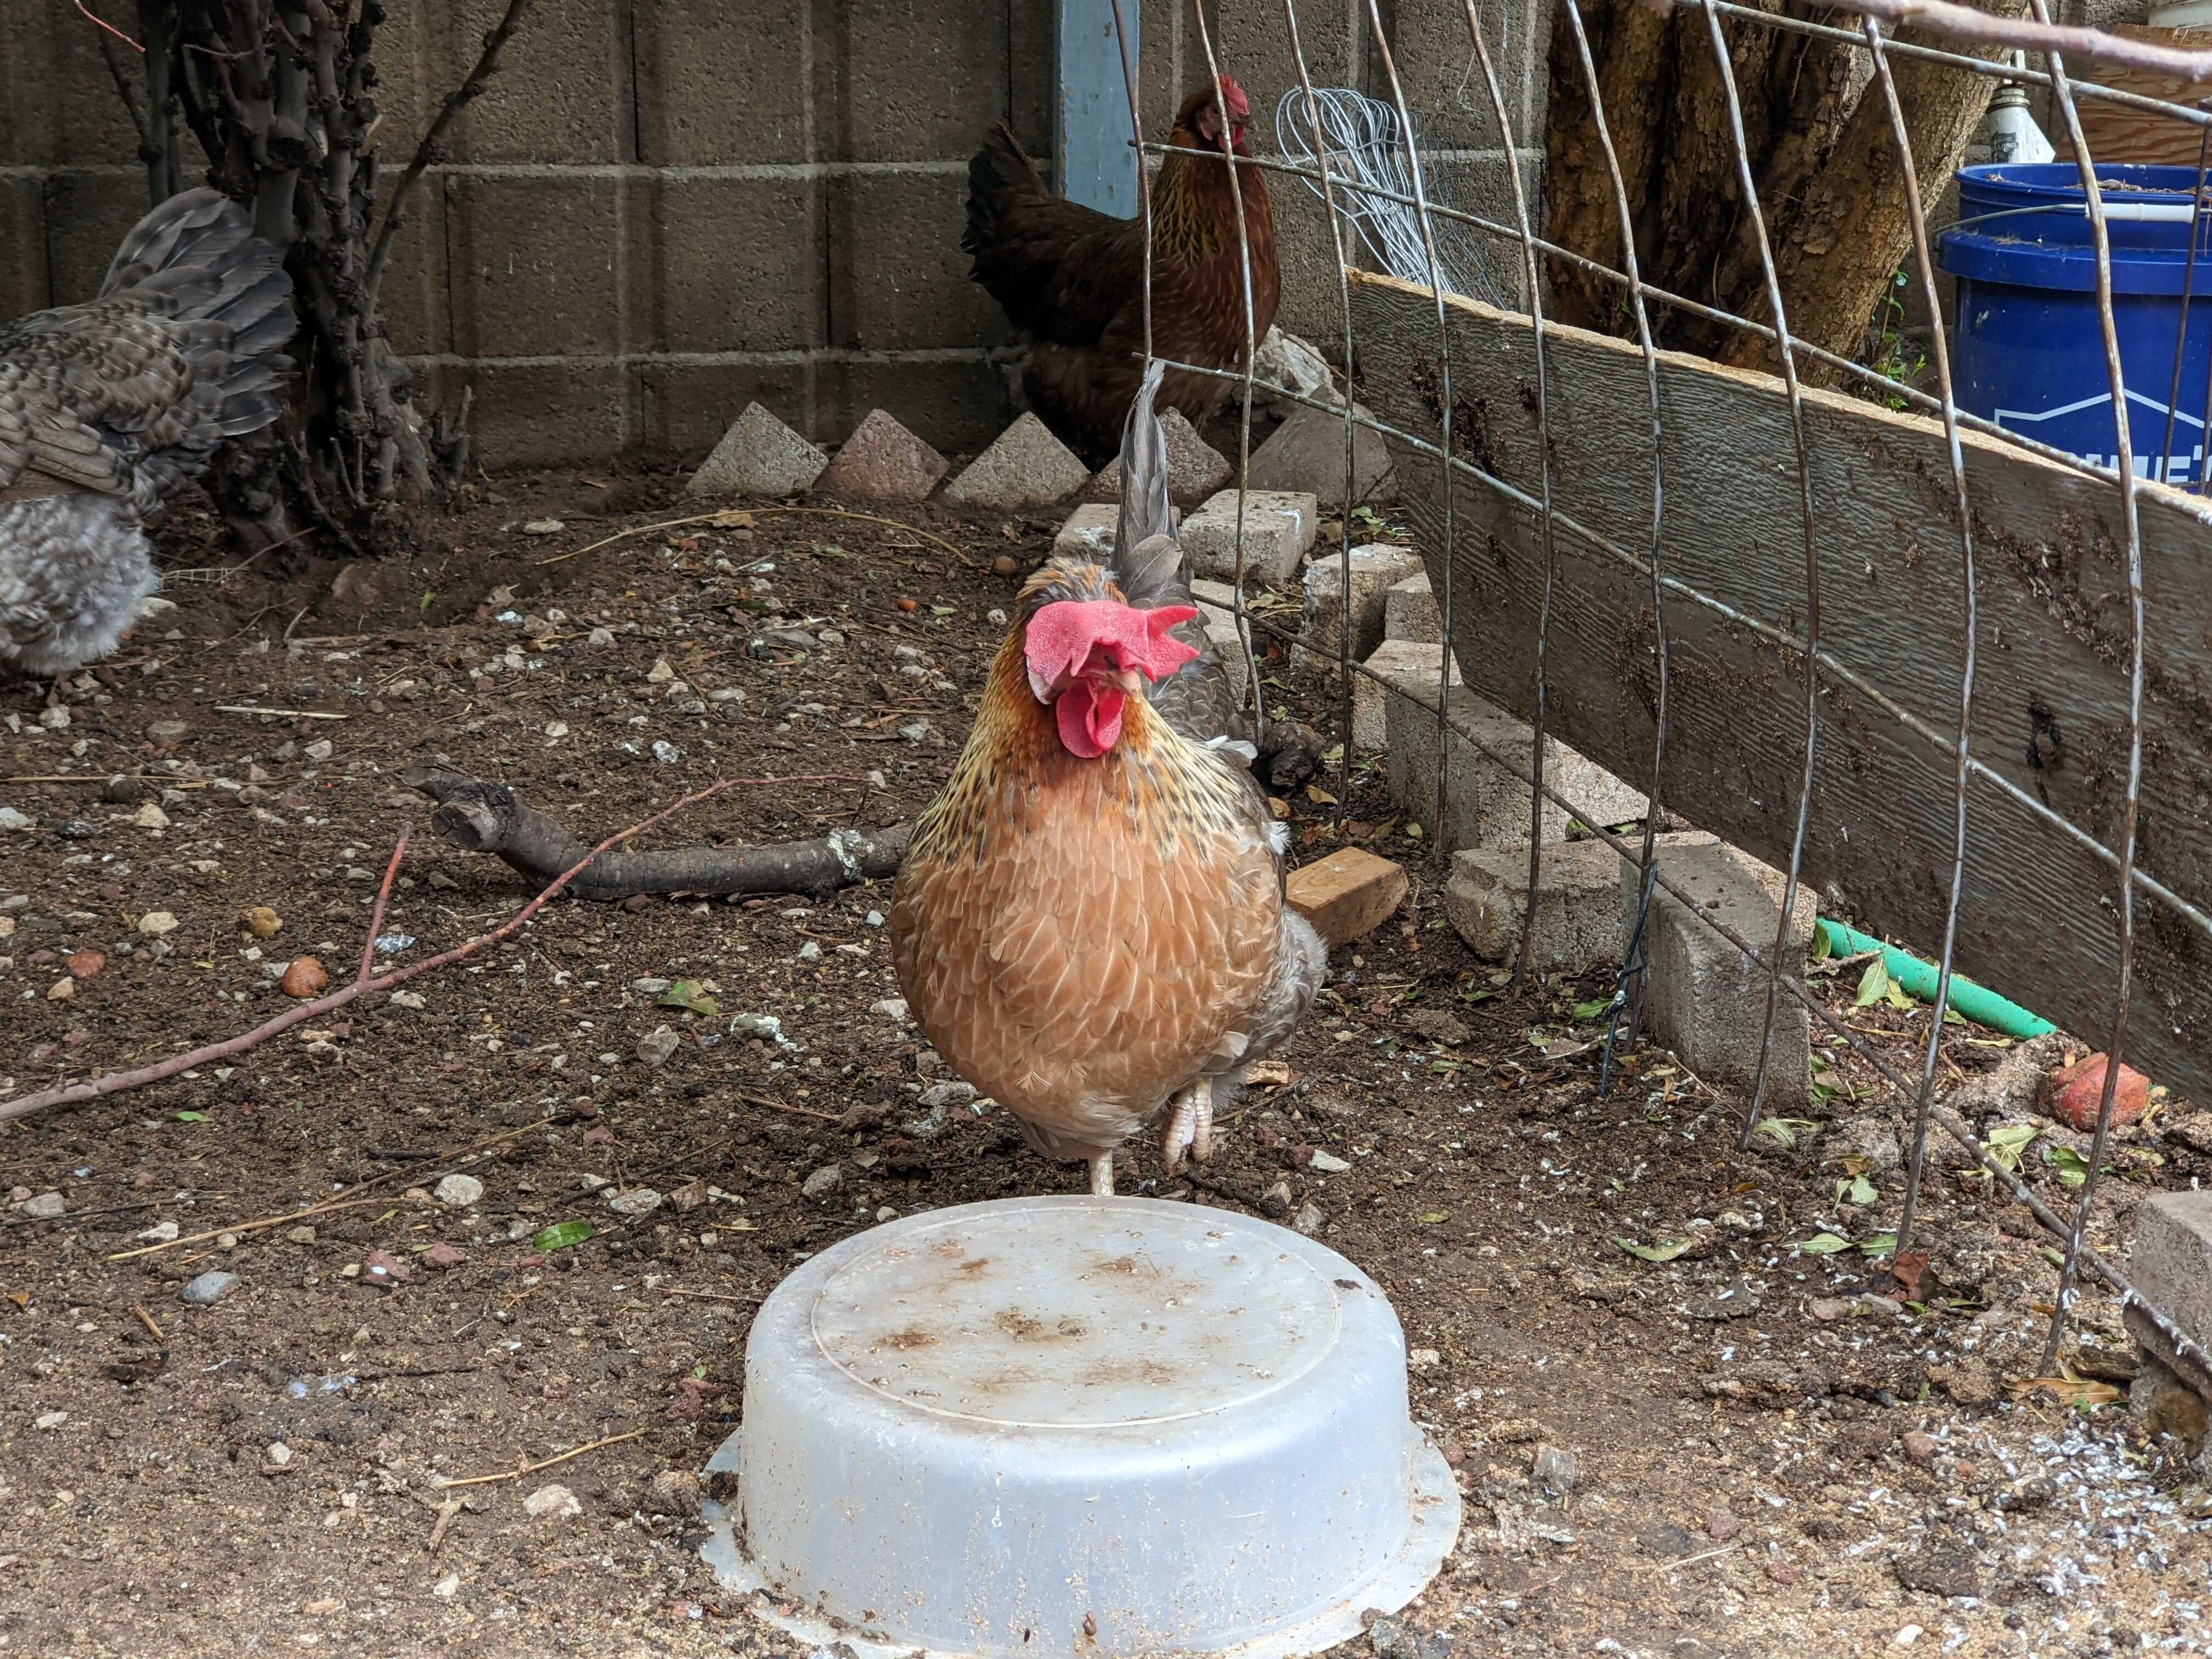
[1102,1176]
[1190,1126]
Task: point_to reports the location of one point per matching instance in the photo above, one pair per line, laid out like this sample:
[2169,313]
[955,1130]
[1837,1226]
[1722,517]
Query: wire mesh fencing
[1371,161]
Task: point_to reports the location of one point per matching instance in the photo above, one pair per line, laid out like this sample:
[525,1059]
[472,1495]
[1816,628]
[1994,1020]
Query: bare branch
[488,817]
[1966,23]
[69,1094]
[486,65]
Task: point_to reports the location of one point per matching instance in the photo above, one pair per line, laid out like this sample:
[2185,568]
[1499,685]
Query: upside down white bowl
[1101,1427]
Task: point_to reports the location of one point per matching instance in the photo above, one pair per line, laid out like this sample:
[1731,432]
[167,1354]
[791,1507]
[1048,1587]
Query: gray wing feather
[135,389]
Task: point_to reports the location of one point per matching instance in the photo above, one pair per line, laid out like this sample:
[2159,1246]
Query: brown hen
[1089,924]
[1072,279]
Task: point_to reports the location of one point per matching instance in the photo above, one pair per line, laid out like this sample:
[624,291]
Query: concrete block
[1217,600]
[883,461]
[1578,923]
[1195,468]
[1089,532]
[1229,646]
[725,264]
[546,413]
[1347,895]
[2170,1265]
[1410,611]
[699,102]
[1027,466]
[87,214]
[897,277]
[1772,882]
[563,93]
[62,109]
[684,407]
[23,226]
[1375,569]
[1703,999]
[534,265]
[896,79]
[958,406]
[1279,526]
[758,456]
[1394,660]
[1487,806]
[1307,453]
[417,289]
[1601,799]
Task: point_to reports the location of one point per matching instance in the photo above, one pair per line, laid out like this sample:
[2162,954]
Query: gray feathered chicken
[1089,923]
[107,407]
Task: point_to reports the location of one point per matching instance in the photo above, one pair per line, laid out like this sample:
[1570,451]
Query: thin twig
[1687,1561]
[383,894]
[521,1469]
[117,1082]
[94,17]
[250,1226]
[795,1111]
[727,517]
[711,1296]
[288,714]
[446,1511]
[147,1320]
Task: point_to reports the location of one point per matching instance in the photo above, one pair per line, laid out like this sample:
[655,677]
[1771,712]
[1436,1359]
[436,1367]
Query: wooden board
[2117,132]
[2036,921]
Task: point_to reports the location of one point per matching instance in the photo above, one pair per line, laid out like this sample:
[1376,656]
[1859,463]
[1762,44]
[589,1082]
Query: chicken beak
[1129,681]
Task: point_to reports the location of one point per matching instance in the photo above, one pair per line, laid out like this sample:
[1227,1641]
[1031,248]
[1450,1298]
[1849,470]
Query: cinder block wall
[658,211]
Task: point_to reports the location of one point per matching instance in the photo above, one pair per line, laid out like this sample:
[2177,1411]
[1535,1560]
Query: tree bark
[489,818]
[1817,136]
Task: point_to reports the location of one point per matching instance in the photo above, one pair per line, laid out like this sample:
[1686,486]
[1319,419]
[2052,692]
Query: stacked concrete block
[1217,612]
[1375,569]
[1418,665]
[1577,923]
[1278,530]
[1410,611]
[883,461]
[1487,804]
[2170,1264]
[1307,453]
[1703,997]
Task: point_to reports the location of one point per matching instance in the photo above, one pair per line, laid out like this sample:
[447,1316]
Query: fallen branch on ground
[489,818]
[69,1094]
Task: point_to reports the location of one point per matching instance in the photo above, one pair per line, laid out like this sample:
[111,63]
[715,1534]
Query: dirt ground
[1766,1457]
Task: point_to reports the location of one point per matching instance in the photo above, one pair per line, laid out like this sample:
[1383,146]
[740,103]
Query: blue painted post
[1091,115]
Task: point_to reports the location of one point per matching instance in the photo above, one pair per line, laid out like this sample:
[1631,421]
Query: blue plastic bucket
[2029,354]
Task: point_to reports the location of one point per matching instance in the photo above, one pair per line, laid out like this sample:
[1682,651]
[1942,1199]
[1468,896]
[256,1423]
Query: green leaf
[1873,984]
[1898,997]
[1822,949]
[940,611]
[1879,1244]
[562,1234]
[191,1117]
[1665,1251]
[1433,1217]
[1592,1010]
[1823,1244]
[1856,1190]
[699,1371]
[688,994]
[429,594]
[2072,1168]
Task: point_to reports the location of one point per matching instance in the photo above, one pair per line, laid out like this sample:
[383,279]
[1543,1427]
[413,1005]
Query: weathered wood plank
[2036,919]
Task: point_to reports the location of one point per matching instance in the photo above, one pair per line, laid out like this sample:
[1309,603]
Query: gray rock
[1329,1163]
[458,1192]
[759,455]
[1868,1134]
[1027,466]
[1309,1221]
[1394,1638]
[209,1288]
[656,1045]
[890,1008]
[1195,468]
[938,1096]
[639,1200]
[46,1206]
[1307,453]
[827,1179]
[1554,1471]
[883,461]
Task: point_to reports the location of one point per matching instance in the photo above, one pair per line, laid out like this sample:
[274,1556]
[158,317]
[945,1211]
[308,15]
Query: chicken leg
[1189,1125]
[1102,1176]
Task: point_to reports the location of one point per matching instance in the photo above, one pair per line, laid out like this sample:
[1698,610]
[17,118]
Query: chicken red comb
[1061,636]
[1233,98]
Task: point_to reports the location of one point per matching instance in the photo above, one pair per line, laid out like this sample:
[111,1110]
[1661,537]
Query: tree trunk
[1817,136]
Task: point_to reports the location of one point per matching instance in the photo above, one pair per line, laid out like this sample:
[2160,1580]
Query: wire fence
[1365,158]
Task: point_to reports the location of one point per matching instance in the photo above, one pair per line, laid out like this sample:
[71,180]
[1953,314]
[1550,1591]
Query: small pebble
[638,1200]
[1329,1163]
[441,1258]
[50,1420]
[302,978]
[209,1288]
[280,1455]
[553,1503]
[46,1206]
[827,1179]
[458,1192]
[154,923]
